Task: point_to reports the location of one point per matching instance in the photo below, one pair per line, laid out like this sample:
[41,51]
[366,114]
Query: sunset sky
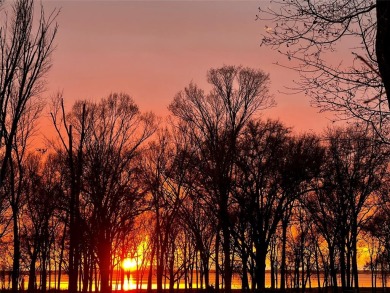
[153,49]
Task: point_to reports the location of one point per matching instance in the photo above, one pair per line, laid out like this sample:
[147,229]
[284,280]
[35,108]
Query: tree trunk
[105,265]
[206,269]
[217,241]
[228,272]
[61,255]
[342,264]
[73,226]
[86,274]
[333,270]
[150,275]
[317,267]
[225,228]
[283,260]
[382,44]
[302,253]
[303,271]
[261,254]
[348,267]
[44,271]
[355,272]
[245,281]
[160,267]
[16,260]
[171,268]
[32,272]
[272,264]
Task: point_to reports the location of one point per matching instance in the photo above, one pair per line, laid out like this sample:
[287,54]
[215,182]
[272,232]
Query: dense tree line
[216,190]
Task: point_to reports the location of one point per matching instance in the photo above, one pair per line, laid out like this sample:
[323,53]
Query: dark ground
[307,290]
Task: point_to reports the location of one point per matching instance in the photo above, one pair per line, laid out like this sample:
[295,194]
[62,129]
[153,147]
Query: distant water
[134,282]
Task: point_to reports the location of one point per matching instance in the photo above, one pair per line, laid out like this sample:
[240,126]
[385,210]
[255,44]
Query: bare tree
[43,192]
[111,193]
[325,210]
[199,221]
[354,168]
[71,130]
[311,33]
[24,60]
[165,167]
[15,185]
[357,167]
[273,171]
[377,232]
[216,120]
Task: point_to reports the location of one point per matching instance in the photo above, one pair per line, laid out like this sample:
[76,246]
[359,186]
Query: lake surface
[134,282]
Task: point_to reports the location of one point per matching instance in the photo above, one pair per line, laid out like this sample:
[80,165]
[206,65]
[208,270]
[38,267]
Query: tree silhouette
[110,192]
[216,120]
[71,130]
[311,33]
[357,168]
[25,59]
[273,171]
[42,192]
[354,168]
[165,167]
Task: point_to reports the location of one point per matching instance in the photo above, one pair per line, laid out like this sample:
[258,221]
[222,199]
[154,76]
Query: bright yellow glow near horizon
[129,284]
[129,264]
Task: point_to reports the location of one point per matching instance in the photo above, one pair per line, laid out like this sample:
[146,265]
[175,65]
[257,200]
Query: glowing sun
[129,264]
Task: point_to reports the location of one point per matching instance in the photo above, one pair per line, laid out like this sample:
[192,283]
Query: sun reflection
[129,284]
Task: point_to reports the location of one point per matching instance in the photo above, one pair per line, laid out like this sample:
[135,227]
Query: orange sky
[153,49]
